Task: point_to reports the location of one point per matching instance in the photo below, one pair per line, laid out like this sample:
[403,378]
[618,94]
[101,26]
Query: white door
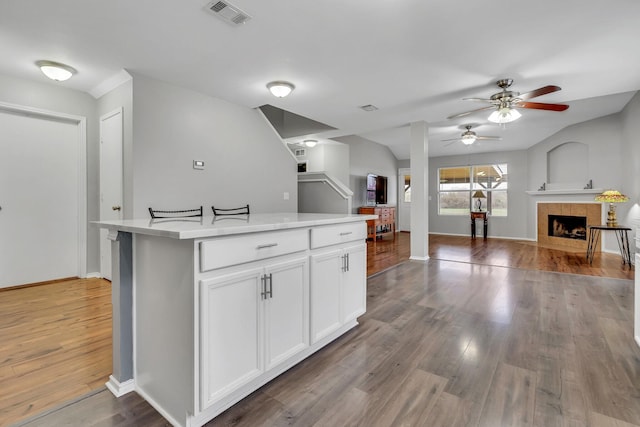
[111,186]
[40,192]
[404,199]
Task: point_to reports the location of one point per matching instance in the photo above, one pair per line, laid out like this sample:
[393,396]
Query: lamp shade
[611,196]
[479,195]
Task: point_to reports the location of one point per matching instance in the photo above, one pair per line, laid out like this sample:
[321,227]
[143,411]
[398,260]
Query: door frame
[104,117]
[81,126]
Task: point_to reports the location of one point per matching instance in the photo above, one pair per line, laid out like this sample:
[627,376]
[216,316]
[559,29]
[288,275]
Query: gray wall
[55,97]
[245,160]
[513,225]
[318,197]
[602,136]
[369,157]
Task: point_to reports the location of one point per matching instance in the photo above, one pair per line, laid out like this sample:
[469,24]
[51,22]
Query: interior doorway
[404,199]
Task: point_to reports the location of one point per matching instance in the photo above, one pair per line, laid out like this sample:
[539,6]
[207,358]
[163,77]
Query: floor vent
[228,13]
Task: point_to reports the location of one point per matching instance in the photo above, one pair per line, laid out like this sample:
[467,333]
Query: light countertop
[210,226]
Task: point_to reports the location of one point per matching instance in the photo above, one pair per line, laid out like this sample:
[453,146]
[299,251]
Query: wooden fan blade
[539,92]
[495,138]
[491,107]
[542,106]
[452,139]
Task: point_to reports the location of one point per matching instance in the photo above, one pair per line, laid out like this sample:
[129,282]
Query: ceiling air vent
[227,12]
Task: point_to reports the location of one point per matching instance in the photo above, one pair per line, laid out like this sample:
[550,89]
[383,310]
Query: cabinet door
[354,283]
[286,310]
[326,274]
[230,333]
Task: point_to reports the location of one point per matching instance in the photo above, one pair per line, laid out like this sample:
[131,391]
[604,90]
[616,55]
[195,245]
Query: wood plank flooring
[443,344]
[55,344]
[499,252]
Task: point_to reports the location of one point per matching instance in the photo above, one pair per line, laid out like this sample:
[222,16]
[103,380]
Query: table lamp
[479,195]
[611,197]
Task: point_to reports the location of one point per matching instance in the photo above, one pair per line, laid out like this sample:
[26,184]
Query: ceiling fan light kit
[468,137]
[504,115]
[504,103]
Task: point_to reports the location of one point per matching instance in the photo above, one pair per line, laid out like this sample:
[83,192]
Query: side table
[622,237]
[479,215]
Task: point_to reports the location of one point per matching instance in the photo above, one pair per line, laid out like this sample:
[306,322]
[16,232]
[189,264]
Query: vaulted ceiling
[413,59]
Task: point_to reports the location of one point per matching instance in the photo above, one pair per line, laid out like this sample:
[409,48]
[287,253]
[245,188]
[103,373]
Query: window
[457,185]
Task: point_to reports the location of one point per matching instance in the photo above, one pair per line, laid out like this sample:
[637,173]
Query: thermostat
[198,164]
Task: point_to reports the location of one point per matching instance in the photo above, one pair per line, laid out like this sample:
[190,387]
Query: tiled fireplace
[565,225]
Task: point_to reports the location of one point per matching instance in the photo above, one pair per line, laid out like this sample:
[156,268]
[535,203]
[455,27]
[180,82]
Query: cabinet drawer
[226,251]
[334,234]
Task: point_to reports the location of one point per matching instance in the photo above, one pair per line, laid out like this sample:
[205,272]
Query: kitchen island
[208,309]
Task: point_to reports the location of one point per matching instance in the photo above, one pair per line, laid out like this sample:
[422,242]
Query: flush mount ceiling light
[310,143]
[280,89]
[55,70]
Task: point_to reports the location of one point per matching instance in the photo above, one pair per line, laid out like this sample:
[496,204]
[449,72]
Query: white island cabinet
[218,307]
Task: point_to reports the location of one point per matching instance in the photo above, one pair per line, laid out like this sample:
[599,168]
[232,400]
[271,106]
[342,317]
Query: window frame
[495,188]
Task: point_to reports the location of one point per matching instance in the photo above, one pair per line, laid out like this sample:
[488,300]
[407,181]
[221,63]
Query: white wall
[512,226]
[55,97]
[369,157]
[245,160]
[629,213]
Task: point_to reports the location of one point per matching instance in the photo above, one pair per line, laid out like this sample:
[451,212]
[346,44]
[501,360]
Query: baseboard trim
[419,258]
[94,275]
[120,389]
[480,237]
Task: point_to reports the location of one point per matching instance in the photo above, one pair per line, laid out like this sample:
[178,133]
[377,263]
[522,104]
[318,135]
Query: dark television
[376,189]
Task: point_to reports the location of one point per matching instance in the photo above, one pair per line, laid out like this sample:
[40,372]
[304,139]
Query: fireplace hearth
[568,227]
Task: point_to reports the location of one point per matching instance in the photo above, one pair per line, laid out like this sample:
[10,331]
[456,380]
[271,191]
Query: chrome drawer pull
[270,245]
[346,233]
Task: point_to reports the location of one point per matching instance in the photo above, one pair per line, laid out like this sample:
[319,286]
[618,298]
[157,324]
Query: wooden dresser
[385,224]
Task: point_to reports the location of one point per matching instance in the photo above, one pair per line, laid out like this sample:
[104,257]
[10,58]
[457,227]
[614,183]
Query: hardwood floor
[473,342]
[55,344]
[498,252]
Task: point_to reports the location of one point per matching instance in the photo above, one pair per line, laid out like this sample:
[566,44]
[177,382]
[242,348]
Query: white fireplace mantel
[564,192]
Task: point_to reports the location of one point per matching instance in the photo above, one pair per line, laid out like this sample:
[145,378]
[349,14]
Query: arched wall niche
[568,165]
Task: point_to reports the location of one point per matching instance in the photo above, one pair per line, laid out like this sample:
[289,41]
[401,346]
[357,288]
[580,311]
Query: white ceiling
[414,59]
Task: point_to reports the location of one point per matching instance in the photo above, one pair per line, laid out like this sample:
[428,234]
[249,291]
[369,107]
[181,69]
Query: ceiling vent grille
[228,13]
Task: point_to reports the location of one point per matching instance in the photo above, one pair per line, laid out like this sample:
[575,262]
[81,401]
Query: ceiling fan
[468,137]
[505,103]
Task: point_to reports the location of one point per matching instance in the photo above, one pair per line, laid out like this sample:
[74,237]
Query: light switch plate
[198,164]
